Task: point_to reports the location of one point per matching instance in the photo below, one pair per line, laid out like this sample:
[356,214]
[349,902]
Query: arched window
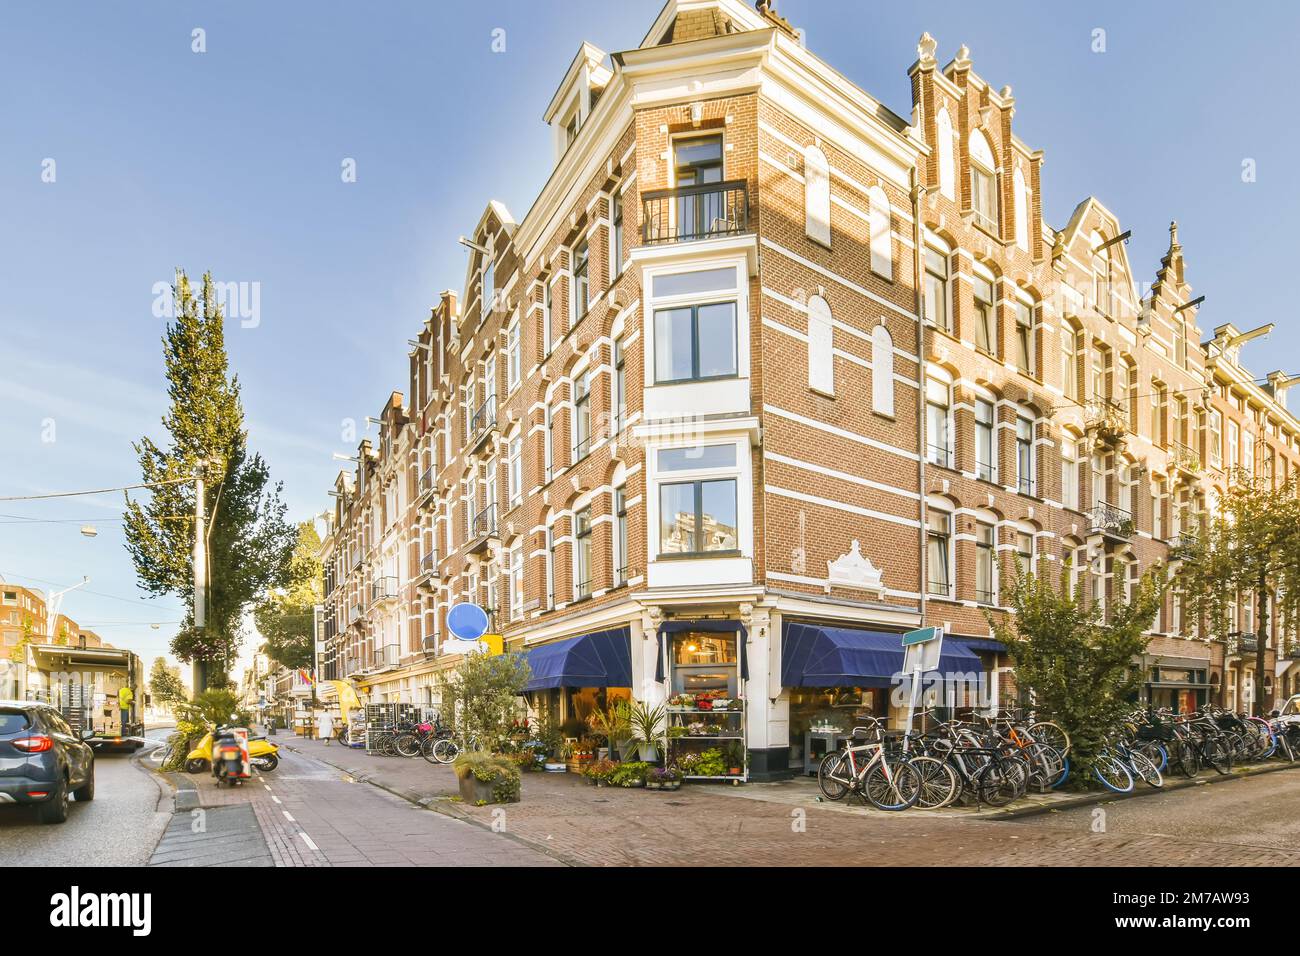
[817,195]
[882,371]
[1022,209]
[821,357]
[947,168]
[882,249]
[983,182]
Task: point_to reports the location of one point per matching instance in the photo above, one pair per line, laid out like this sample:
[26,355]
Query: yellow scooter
[262,754]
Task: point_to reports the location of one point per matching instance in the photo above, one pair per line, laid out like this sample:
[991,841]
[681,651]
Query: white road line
[274,798]
[307,840]
[288,816]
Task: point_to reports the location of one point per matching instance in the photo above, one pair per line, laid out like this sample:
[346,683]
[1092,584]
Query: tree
[286,616]
[165,686]
[248,540]
[480,697]
[1076,657]
[1249,546]
[19,652]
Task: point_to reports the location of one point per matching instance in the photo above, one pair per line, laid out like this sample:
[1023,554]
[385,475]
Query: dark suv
[43,761]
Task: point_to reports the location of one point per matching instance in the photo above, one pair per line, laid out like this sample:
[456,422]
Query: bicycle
[446,749]
[888,783]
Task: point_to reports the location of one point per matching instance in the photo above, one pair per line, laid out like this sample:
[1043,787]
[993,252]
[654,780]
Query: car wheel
[55,807]
[86,792]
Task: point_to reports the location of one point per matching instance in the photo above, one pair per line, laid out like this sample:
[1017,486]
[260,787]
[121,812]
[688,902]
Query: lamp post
[199,560]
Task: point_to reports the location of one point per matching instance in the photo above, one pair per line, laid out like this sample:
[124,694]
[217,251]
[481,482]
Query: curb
[1091,799]
[441,805]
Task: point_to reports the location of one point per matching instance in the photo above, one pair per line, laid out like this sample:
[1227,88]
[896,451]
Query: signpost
[921,651]
[468,623]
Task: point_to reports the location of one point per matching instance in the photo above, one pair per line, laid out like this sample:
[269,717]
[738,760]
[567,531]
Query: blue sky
[230,160]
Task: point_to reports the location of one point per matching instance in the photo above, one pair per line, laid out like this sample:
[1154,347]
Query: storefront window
[704,662]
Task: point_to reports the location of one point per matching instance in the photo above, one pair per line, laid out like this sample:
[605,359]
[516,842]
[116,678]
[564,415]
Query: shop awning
[986,644]
[599,659]
[813,655]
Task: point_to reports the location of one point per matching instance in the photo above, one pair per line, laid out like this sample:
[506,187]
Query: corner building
[766,376]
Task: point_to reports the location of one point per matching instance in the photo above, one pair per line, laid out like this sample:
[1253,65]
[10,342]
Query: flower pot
[653,785]
[475,791]
[648,753]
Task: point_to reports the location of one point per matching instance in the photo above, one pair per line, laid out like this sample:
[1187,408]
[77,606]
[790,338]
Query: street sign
[921,635]
[467,621]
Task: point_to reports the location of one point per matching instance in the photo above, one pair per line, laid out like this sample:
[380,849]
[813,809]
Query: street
[329,806]
[118,828]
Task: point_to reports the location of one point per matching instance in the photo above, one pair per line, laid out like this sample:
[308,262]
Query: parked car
[43,761]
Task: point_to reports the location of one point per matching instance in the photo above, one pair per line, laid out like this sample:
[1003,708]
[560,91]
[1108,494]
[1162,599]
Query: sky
[125,153]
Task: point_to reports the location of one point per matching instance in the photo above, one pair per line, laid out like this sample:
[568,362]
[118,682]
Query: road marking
[288,816]
[307,840]
[275,799]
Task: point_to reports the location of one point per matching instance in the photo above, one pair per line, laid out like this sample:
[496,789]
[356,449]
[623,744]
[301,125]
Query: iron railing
[484,418]
[689,213]
[383,589]
[1186,458]
[1110,519]
[485,522]
[426,481]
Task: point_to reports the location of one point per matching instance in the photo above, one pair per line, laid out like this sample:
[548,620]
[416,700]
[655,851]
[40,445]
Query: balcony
[1185,459]
[428,567]
[426,484]
[482,423]
[691,213]
[1111,521]
[1183,545]
[354,614]
[385,657]
[483,529]
[383,590]
[1106,420]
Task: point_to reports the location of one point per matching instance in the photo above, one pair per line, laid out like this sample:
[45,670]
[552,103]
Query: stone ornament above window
[852,570]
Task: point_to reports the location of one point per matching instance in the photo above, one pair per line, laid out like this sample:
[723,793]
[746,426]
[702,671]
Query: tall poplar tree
[249,544]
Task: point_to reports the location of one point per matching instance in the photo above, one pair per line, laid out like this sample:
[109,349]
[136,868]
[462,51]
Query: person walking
[325,726]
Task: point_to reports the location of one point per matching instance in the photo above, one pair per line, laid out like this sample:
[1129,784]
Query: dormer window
[571,130]
[983,183]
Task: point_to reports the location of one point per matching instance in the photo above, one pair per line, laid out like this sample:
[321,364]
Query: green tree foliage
[480,698]
[249,542]
[286,616]
[165,684]
[1077,660]
[1249,546]
[18,653]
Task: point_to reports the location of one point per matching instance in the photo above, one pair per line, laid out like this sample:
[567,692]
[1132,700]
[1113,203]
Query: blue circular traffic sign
[467,621]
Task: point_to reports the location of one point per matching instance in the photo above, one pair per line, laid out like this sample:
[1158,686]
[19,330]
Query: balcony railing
[383,589]
[484,525]
[1111,520]
[940,455]
[1241,642]
[689,213]
[354,614]
[429,563]
[426,481]
[1185,458]
[483,420]
[1106,419]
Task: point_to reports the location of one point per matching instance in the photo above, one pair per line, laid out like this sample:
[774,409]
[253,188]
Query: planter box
[474,791]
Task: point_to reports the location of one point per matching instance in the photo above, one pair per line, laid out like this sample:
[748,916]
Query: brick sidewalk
[776,825]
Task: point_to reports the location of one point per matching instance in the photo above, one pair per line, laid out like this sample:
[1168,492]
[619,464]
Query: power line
[96,491]
[135,601]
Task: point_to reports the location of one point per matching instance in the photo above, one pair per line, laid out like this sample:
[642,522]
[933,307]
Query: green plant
[492,769]
[613,723]
[676,731]
[629,774]
[735,754]
[482,695]
[711,764]
[645,722]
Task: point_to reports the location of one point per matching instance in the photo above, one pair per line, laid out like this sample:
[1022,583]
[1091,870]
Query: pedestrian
[325,726]
[124,698]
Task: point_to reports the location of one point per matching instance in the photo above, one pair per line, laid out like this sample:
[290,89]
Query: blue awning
[813,655]
[599,659]
[987,644]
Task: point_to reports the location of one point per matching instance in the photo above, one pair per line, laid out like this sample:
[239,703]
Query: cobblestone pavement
[310,814]
[741,826]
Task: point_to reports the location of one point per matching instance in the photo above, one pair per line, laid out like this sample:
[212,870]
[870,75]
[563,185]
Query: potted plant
[613,725]
[486,778]
[629,774]
[644,723]
[663,778]
[711,764]
[598,772]
[736,758]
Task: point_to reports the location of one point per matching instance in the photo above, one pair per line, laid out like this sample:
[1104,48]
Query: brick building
[767,375]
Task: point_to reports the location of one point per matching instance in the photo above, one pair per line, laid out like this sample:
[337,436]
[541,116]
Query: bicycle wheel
[445,750]
[1051,734]
[1045,767]
[426,748]
[1185,758]
[939,786]
[1145,769]
[997,784]
[897,789]
[1156,753]
[407,745]
[1113,774]
[1218,755]
[833,776]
